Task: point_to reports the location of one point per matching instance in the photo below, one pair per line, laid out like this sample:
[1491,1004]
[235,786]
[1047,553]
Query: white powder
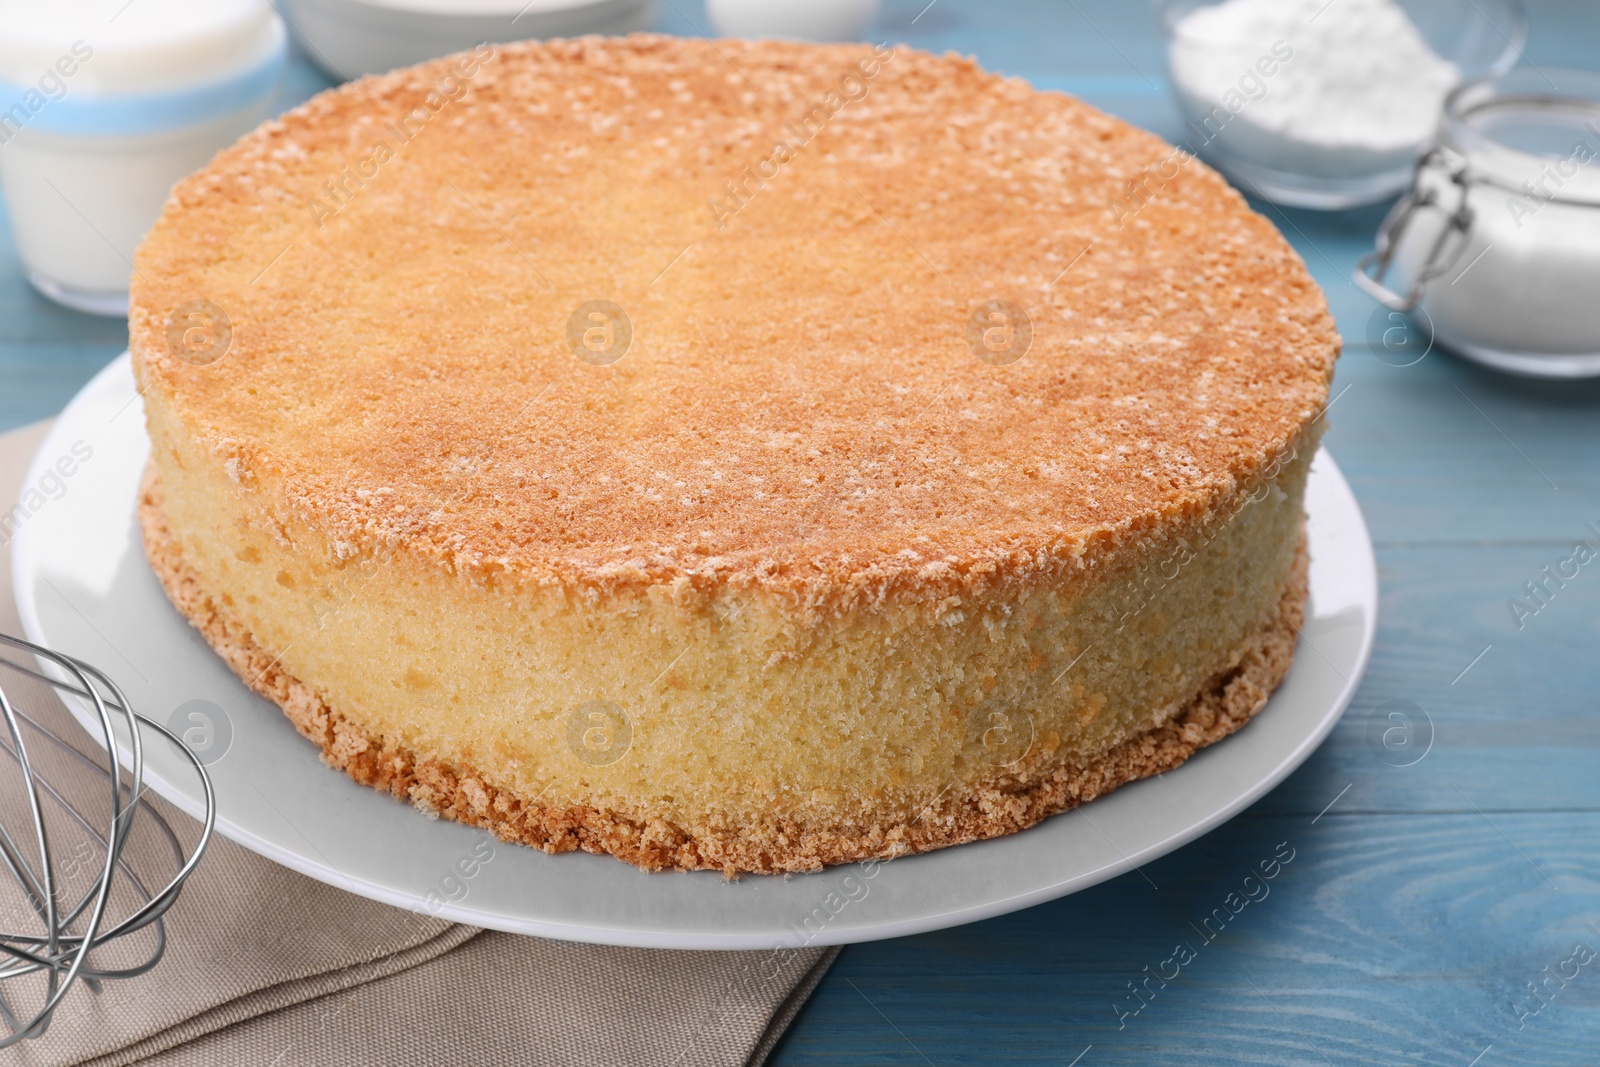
[1525,278]
[1361,90]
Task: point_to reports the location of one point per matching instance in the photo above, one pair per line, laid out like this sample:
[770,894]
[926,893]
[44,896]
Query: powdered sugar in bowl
[1326,104]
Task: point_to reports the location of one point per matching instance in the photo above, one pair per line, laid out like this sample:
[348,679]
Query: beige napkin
[267,966]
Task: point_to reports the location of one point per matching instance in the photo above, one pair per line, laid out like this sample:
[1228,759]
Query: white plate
[83,587]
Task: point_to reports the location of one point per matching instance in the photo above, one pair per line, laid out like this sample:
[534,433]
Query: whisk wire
[127,871]
[62,949]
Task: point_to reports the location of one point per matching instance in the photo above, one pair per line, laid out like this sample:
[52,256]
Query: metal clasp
[1458,221]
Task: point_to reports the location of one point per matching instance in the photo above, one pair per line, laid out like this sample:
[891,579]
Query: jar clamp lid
[1447,245]
[1499,131]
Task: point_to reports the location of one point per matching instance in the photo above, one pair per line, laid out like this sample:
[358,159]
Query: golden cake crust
[799,408]
[459,792]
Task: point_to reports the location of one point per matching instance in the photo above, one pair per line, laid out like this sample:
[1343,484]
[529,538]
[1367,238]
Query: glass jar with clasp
[1496,248]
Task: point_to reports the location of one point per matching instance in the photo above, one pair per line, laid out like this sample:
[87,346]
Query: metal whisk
[68,926]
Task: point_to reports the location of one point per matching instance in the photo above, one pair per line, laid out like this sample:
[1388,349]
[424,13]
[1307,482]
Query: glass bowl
[1255,143]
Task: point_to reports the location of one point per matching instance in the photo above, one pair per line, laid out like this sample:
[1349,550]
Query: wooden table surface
[1424,902]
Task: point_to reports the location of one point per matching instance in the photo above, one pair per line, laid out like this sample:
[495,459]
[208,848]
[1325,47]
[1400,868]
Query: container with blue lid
[104,106]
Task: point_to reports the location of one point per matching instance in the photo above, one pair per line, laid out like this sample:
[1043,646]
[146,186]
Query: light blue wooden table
[1422,900]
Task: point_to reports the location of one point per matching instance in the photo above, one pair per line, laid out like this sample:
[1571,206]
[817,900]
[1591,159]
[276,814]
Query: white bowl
[349,38]
[802,20]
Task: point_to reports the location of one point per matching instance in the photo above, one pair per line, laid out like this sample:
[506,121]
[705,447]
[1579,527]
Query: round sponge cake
[735,455]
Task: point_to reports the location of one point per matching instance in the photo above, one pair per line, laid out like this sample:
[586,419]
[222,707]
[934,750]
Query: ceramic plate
[84,588]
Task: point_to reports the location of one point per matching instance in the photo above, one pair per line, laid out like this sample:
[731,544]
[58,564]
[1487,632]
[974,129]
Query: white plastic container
[1497,247]
[104,105]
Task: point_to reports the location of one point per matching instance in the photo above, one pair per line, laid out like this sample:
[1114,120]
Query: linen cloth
[266,966]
